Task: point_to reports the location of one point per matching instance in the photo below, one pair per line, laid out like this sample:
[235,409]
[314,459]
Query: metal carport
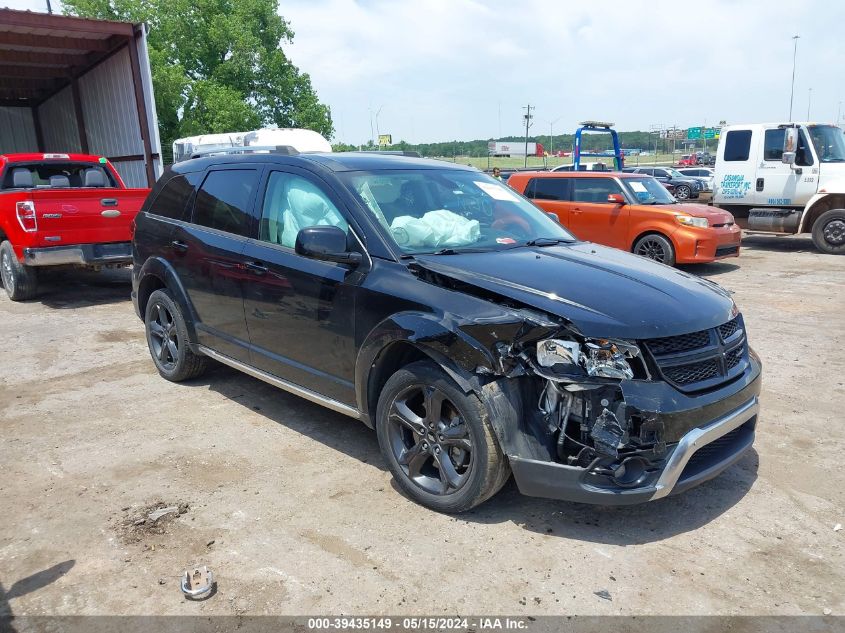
[77,85]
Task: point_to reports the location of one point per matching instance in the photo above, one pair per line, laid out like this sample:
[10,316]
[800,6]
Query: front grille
[701,360]
[694,372]
[682,343]
[728,329]
[726,250]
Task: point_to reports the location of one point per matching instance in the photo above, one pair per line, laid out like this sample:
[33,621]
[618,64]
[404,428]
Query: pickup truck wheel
[19,281]
[683,192]
[167,338]
[829,232]
[437,440]
[656,247]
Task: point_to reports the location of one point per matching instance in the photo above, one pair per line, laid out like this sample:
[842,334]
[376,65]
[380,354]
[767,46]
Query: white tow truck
[784,178]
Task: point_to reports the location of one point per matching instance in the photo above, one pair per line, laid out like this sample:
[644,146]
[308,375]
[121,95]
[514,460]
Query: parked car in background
[632,212]
[683,188]
[687,159]
[475,334]
[61,210]
[705,158]
[702,174]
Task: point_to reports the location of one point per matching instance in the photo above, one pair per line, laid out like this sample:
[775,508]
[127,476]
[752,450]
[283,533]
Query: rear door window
[594,190]
[556,189]
[737,145]
[224,200]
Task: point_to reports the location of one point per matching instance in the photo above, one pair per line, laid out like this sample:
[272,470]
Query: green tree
[217,65]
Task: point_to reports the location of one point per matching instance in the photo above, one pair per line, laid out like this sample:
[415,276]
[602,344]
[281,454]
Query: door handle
[179,246]
[576,210]
[109,202]
[256,267]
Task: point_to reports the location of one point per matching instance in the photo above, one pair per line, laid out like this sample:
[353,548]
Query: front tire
[437,440]
[167,339]
[683,192]
[19,281]
[656,247]
[829,232]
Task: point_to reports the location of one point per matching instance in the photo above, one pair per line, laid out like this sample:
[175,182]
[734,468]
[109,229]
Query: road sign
[697,133]
[384,140]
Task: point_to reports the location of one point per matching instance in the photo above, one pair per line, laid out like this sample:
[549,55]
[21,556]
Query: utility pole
[795,39]
[527,116]
[809,101]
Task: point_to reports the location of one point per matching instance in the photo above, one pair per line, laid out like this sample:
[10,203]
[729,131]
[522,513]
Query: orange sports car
[632,212]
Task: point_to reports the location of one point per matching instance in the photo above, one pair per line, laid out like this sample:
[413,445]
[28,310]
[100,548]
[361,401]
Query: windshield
[829,142]
[675,173]
[431,210]
[647,190]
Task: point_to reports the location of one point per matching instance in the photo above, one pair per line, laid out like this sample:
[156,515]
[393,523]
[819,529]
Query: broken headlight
[601,358]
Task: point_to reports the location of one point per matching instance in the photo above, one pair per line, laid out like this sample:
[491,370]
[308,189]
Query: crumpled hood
[603,291]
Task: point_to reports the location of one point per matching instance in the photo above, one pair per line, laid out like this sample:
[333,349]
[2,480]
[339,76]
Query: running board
[296,390]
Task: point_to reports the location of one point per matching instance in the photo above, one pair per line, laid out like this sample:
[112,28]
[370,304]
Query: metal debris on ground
[197,582]
[604,594]
[155,515]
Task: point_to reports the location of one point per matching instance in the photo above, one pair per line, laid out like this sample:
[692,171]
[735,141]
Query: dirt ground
[293,509]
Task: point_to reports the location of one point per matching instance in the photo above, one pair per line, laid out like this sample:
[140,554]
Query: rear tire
[19,281]
[829,232]
[437,440]
[167,339]
[655,247]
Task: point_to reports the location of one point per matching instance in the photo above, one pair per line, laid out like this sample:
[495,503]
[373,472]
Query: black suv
[682,188]
[432,302]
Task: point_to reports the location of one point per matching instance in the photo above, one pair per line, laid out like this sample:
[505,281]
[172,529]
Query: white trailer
[784,178]
[74,85]
[300,139]
[511,148]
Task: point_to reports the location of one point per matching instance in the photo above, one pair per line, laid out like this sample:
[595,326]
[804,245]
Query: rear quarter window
[549,189]
[173,198]
[737,145]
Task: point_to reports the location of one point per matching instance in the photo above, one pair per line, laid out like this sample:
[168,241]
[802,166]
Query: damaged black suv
[468,328]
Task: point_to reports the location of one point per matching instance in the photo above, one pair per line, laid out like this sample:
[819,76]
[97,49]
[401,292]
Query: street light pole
[809,101]
[795,39]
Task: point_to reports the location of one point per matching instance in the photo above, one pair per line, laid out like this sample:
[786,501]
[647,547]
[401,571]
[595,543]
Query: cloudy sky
[464,69]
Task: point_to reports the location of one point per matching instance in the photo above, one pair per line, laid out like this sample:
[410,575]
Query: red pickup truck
[62,210]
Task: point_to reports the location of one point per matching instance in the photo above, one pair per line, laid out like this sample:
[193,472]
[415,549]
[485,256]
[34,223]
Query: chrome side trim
[697,438]
[296,390]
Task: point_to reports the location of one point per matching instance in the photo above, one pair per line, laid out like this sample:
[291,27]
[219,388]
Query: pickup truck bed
[61,210]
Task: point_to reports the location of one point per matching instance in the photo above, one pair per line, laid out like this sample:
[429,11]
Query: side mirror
[553,216]
[326,243]
[788,158]
[615,198]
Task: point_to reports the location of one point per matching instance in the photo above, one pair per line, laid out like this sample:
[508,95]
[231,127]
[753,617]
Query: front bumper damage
[716,430]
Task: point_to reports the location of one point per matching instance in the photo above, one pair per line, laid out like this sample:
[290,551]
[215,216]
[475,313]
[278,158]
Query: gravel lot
[292,508]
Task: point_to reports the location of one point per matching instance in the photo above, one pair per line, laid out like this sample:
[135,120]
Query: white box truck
[514,148]
[784,178]
[300,139]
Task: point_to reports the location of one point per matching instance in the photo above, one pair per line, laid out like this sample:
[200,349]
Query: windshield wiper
[546,241]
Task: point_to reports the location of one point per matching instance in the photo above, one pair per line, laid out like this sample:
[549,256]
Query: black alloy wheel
[437,440]
[430,440]
[656,247]
[167,338]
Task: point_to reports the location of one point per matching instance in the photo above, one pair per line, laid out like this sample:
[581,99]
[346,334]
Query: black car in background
[441,308]
[682,188]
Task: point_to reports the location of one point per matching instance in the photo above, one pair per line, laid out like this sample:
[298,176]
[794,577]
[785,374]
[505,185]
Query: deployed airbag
[435,228]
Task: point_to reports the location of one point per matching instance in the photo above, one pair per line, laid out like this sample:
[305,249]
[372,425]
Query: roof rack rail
[284,150]
[392,152]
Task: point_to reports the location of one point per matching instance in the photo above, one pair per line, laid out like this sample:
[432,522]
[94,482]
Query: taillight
[26,216]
